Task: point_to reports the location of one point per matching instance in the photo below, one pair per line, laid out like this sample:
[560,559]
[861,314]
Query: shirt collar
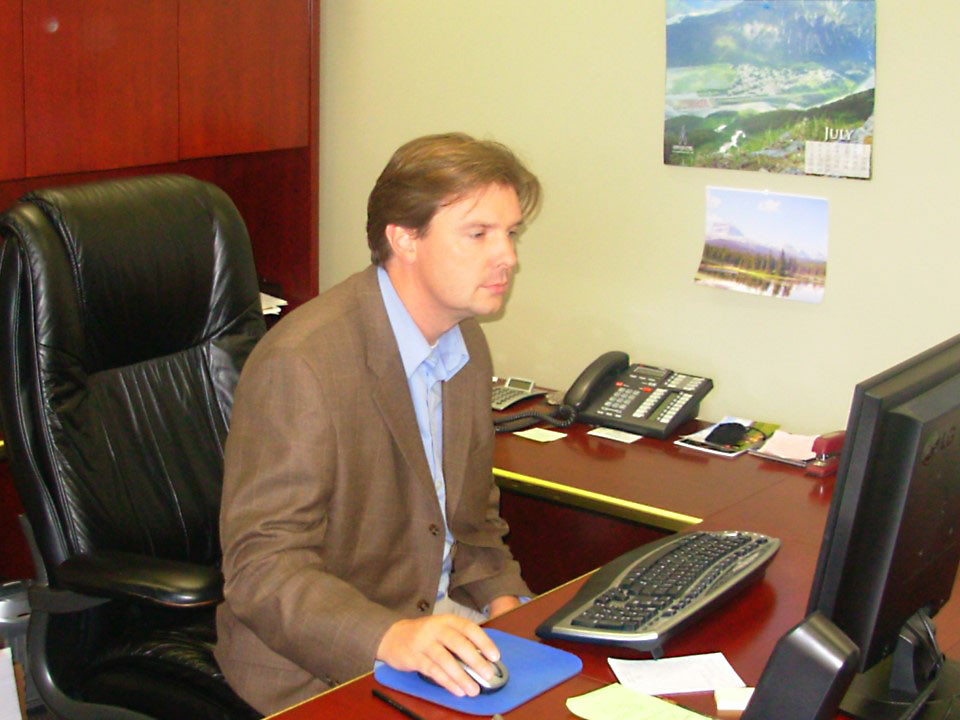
[450,349]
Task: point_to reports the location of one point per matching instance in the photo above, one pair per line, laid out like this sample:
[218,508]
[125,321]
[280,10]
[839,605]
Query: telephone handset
[614,393]
[595,377]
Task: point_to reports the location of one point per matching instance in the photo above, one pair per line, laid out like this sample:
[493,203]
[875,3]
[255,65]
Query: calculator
[514,389]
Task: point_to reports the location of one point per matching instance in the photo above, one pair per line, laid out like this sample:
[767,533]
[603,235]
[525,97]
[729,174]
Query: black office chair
[127,309]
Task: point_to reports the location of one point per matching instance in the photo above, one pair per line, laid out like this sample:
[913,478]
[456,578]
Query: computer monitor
[891,545]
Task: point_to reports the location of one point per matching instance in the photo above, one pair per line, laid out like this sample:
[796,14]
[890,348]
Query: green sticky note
[617,702]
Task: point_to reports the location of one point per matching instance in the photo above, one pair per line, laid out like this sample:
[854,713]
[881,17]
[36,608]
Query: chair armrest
[141,577]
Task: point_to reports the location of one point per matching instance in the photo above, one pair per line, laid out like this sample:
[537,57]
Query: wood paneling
[555,543]
[100,84]
[244,76]
[15,563]
[271,191]
[11,90]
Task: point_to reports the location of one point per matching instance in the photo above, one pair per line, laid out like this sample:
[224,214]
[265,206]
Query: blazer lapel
[456,436]
[390,390]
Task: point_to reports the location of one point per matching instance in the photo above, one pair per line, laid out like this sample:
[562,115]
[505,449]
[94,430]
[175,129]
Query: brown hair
[436,170]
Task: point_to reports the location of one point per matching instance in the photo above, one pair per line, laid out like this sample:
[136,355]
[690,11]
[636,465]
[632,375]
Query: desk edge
[588,500]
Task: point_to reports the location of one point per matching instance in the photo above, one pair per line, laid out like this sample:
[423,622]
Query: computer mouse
[498,680]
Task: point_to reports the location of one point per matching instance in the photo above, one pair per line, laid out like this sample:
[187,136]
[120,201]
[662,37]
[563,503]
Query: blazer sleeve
[280,463]
[484,566]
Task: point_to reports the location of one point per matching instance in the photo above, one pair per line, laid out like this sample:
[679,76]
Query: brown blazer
[330,524]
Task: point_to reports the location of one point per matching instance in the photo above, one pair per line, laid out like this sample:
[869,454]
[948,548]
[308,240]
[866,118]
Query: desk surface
[649,481]
[742,493]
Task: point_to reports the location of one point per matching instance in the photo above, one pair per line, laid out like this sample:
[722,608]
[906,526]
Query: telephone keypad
[648,405]
[674,406]
[621,398]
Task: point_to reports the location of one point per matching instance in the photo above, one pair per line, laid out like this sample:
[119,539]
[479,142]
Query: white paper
[618,435]
[270,304]
[540,434]
[9,700]
[672,676]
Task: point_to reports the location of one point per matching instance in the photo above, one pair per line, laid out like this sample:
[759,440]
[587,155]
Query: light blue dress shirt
[427,368]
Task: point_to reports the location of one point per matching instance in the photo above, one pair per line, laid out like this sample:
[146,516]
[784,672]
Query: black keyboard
[645,596]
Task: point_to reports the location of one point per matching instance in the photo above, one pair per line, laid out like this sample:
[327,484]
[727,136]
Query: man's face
[464,259]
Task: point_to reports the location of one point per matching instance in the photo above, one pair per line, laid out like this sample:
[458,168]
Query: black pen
[395,705]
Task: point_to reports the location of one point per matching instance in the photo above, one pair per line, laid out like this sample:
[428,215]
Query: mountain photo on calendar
[749,83]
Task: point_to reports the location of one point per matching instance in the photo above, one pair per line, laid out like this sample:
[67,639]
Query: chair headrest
[144,266]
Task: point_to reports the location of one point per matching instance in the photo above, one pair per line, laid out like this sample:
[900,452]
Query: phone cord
[560,418]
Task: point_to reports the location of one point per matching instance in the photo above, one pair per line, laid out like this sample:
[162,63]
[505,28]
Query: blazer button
[423,606]
[434,529]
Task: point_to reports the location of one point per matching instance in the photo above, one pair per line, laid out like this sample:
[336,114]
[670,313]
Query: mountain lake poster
[783,86]
[765,243]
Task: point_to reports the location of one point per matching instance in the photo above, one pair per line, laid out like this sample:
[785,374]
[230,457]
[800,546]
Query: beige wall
[576,89]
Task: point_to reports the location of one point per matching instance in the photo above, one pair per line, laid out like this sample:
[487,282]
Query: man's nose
[507,251]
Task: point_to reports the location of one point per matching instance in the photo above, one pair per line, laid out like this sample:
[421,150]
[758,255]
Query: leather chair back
[132,306]
[127,311]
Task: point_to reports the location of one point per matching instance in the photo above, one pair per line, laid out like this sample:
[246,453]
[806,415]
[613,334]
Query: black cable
[915,707]
[560,418]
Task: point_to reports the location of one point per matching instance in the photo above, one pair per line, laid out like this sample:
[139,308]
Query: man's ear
[402,242]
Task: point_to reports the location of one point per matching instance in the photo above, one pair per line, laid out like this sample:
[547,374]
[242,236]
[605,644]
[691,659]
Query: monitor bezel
[872,400]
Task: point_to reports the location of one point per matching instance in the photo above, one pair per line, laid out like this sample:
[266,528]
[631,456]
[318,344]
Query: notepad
[788,447]
[616,702]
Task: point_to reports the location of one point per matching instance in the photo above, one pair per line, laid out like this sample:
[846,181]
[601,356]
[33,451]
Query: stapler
[828,448]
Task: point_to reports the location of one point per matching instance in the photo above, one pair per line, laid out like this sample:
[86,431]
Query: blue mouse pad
[533,668]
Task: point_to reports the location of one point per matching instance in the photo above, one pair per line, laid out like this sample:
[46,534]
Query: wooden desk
[596,485]
[597,498]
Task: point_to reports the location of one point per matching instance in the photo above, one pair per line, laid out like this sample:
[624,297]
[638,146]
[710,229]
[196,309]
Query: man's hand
[502,604]
[428,645]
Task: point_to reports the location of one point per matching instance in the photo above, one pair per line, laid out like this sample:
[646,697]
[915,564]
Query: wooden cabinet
[223,90]
[99,88]
[100,84]
[244,76]
[11,90]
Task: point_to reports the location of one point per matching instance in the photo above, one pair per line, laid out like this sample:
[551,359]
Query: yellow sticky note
[617,702]
[732,699]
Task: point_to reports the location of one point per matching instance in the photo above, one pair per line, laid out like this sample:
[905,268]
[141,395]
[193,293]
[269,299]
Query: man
[360,521]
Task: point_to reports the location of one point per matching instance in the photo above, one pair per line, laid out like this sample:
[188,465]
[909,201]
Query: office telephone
[637,398]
